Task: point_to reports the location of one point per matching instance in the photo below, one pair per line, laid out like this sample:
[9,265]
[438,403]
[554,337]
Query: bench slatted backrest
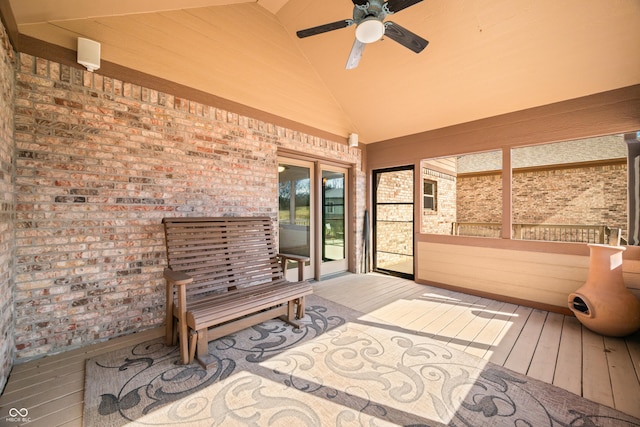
[222,253]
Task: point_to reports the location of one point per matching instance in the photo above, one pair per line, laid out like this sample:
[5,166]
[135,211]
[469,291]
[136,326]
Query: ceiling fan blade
[324,28]
[405,37]
[397,5]
[355,55]
[360,2]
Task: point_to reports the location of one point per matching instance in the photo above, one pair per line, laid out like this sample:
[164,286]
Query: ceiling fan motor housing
[369,20]
[373,9]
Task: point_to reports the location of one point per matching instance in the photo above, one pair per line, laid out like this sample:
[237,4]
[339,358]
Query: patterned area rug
[338,371]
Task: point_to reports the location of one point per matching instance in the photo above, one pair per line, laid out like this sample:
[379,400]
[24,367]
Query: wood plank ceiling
[485,57]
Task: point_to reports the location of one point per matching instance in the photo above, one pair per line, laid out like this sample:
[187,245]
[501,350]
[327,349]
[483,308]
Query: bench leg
[175,333]
[300,313]
[291,305]
[170,333]
[193,340]
[203,357]
[290,316]
[184,343]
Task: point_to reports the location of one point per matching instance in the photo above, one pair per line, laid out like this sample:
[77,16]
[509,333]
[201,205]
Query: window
[571,191]
[462,195]
[329,207]
[429,194]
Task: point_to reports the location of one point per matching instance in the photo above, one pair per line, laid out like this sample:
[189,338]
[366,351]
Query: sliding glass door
[312,215]
[295,211]
[334,220]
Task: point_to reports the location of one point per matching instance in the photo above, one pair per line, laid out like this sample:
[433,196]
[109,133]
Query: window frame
[433,197]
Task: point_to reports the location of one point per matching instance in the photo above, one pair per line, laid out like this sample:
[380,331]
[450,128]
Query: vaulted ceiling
[485,57]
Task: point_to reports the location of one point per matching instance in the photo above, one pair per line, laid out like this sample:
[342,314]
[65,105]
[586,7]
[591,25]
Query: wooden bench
[224,275]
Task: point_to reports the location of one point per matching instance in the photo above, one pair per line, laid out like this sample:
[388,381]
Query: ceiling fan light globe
[370,30]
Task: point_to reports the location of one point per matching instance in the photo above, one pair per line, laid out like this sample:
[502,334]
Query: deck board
[42,391]
[505,343]
[625,388]
[548,346]
[81,354]
[462,322]
[55,412]
[520,356]
[596,382]
[478,319]
[568,372]
[485,342]
[543,363]
[633,346]
[433,309]
[446,314]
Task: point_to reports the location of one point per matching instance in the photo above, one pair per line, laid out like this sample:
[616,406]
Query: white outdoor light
[88,54]
[353,140]
[370,30]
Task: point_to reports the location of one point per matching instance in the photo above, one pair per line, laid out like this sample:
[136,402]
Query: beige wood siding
[546,278]
[442,164]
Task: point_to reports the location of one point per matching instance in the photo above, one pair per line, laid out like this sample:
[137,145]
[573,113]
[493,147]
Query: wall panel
[7,206]
[543,278]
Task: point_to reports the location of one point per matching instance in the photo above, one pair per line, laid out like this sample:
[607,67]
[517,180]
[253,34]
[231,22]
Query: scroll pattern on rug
[336,371]
[155,378]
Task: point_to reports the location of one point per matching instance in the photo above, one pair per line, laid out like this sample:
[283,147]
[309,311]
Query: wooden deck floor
[547,346]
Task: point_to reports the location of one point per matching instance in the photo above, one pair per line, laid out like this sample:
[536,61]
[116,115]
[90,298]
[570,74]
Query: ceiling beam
[37,11]
[9,22]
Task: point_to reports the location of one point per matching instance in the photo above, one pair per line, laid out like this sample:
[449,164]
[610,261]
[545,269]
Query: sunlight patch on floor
[356,374]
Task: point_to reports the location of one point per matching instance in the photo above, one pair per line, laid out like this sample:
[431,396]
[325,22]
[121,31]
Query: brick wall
[99,163]
[595,195]
[479,198]
[7,211]
[439,221]
[591,195]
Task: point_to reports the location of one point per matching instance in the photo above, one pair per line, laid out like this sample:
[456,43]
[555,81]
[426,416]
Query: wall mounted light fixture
[353,140]
[89,54]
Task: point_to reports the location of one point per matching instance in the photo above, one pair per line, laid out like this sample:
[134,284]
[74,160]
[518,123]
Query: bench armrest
[177,277]
[292,257]
[301,259]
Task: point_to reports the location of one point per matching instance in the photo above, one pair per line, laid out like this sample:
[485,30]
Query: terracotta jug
[604,304]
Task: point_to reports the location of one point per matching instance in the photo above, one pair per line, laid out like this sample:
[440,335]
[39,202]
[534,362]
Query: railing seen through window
[572,191]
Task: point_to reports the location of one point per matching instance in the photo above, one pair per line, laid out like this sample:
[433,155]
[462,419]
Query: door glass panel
[294,209]
[333,216]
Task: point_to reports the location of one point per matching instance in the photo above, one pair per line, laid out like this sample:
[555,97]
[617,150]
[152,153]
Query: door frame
[374,220]
[315,272]
[334,267]
[292,273]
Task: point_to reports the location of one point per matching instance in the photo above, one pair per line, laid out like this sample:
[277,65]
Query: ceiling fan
[368,16]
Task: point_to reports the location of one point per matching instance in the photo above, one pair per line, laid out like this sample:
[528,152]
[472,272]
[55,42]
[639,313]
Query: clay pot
[604,304]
